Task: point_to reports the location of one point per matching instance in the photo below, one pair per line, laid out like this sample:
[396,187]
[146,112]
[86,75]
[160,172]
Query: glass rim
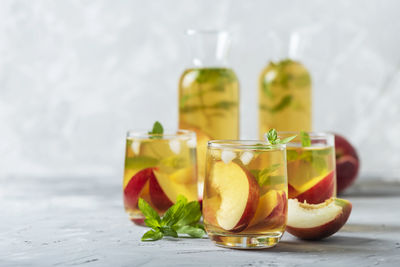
[244,144]
[141,134]
[313,135]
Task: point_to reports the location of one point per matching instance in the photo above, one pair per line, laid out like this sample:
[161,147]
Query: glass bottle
[209,93]
[285,91]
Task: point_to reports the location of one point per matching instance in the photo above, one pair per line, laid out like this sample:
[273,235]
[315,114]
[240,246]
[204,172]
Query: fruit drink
[284,97]
[209,106]
[245,193]
[158,168]
[311,169]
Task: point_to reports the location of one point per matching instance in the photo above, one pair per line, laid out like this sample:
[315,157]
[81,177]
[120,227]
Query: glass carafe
[209,93]
[285,92]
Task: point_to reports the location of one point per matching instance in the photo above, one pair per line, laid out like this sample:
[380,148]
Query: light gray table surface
[71,221]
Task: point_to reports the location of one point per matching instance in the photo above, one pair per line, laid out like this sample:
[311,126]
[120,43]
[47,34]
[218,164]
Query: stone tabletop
[72,221]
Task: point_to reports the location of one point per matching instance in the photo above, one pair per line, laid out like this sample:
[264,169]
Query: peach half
[239,193]
[317,221]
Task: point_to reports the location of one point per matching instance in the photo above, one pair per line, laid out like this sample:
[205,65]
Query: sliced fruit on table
[135,187]
[321,191]
[317,221]
[347,163]
[239,193]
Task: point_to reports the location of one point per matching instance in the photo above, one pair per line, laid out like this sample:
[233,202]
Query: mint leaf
[193,231]
[284,103]
[288,139]
[148,211]
[305,139]
[158,130]
[152,235]
[174,213]
[168,231]
[182,217]
[191,214]
[272,136]
[264,177]
[273,139]
[153,223]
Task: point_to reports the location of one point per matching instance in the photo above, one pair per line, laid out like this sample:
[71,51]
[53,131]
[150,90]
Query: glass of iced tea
[311,166]
[158,168]
[245,193]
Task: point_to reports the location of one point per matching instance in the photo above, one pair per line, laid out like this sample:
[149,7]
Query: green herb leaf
[284,103]
[168,231]
[157,130]
[191,214]
[182,217]
[152,235]
[148,211]
[272,137]
[305,139]
[153,223]
[175,212]
[193,231]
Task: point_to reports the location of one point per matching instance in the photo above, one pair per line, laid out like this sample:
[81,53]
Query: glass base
[246,241]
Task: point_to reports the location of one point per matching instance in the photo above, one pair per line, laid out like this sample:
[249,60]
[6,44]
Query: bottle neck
[209,48]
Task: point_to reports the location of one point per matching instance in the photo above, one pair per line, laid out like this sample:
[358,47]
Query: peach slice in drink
[239,193]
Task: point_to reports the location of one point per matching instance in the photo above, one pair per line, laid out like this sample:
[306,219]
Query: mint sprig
[181,218]
[157,130]
[305,139]
[273,139]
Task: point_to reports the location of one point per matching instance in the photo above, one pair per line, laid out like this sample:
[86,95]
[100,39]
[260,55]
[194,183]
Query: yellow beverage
[284,97]
[158,168]
[209,105]
[311,169]
[245,193]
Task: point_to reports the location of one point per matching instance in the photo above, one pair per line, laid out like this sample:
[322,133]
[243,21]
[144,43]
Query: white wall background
[75,75]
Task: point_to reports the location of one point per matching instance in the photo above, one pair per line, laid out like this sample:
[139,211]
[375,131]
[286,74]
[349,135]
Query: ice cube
[175,146]
[246,157]
[227,156]
[135,147]
[191,143]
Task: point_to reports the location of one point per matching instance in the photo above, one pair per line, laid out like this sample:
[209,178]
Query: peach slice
[276,212]
[266,204]
[157,195]
[239,193]
[210,208]
[314,222]
[323,190]
[135,186]
[184,176]
[171,189]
